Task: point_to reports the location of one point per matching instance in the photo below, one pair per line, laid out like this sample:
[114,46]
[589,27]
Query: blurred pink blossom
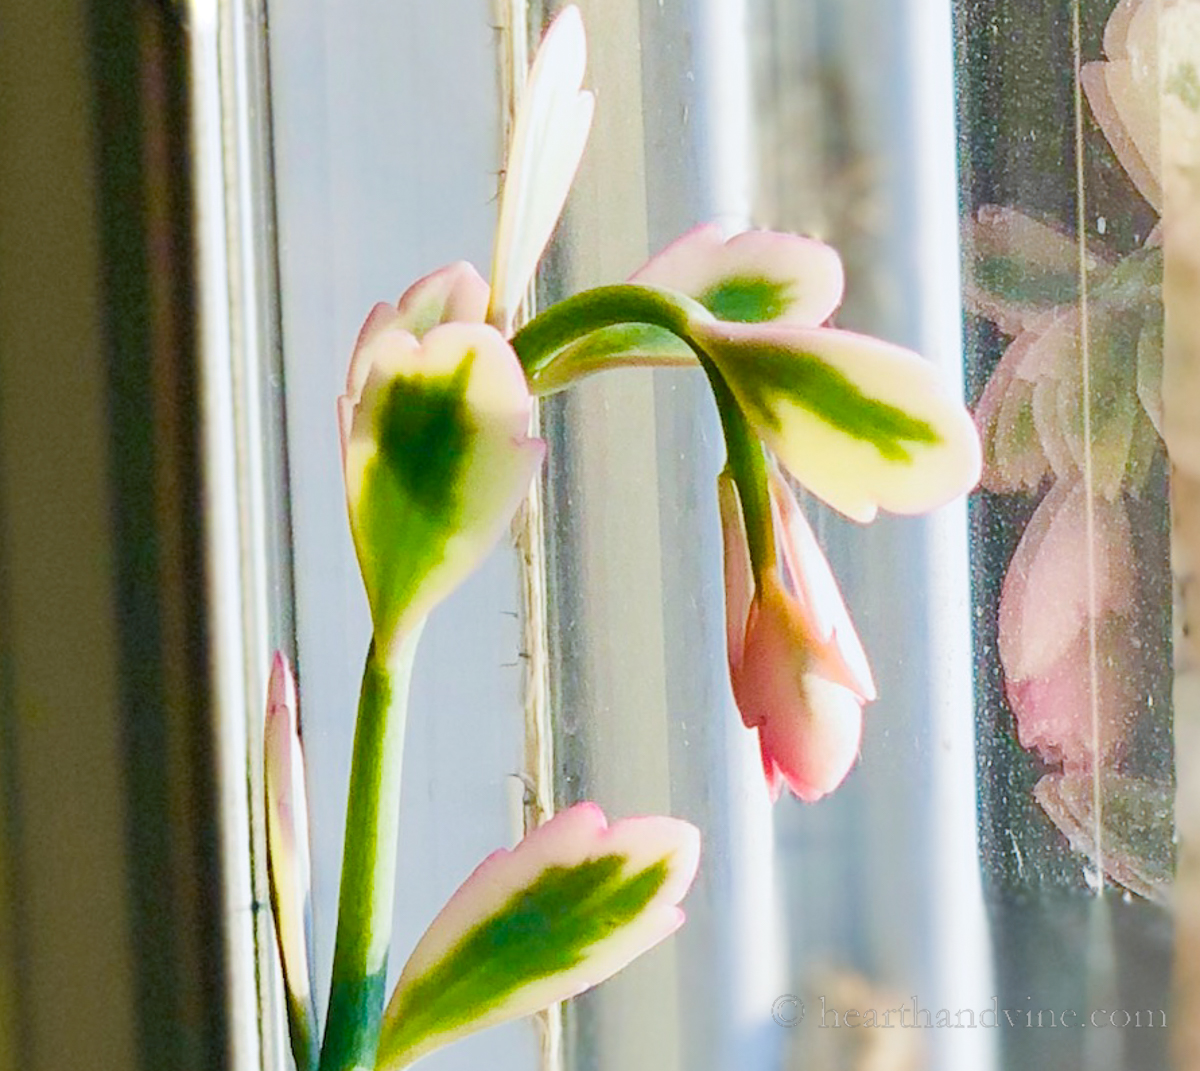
[1124,93]
[1055,592]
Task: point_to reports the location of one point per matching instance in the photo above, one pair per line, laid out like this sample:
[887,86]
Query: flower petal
[456,293]
[1053,709]
[809,726]
[1124,94]
[818,597]
[288,858]
[753,277]
[816,752]
[1044,602]
[436,460]
[572,904]
[548,140]
[739,579]
[861,423]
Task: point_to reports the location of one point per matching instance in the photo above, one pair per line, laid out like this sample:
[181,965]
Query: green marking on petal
[764,371]
[545,929]
[747,299]
[423,432]
[410,503]
[1184,83]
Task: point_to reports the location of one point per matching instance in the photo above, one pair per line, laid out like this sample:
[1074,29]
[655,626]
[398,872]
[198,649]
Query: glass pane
[644,722]
[1063,261]
[1009,842]
[883,903]
[387,152]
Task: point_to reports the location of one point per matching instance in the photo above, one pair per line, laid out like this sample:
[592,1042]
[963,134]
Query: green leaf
[752,277]
[410,503]
[288,858]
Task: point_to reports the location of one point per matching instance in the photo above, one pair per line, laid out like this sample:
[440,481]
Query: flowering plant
[437,454]
[1073,413]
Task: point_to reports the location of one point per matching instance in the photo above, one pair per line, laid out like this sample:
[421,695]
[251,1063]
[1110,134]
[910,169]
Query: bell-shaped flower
[548,140]
[799,673]
[288,858]
[437,457]
[569,906]
[1070,577]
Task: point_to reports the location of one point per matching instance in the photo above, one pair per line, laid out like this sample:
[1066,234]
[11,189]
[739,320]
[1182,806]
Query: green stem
[367,895]
[748,467]
[607,306]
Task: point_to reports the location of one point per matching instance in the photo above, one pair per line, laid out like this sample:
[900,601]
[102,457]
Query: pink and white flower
[799,673]
[1124,93]
[437,456]
[288,856]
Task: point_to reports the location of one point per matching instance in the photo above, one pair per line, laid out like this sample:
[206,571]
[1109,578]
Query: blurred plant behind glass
[1071,533]
[1059,620]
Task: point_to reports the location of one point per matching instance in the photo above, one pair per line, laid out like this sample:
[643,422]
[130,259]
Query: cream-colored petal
[437,459]
[861,423]
[495,938]
[801,280]
[548,140]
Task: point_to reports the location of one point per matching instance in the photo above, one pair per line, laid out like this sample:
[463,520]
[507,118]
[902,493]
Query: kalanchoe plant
[1072,413]
[435,445]
[861,423]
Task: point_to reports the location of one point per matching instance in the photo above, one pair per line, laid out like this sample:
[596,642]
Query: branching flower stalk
[437,456]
